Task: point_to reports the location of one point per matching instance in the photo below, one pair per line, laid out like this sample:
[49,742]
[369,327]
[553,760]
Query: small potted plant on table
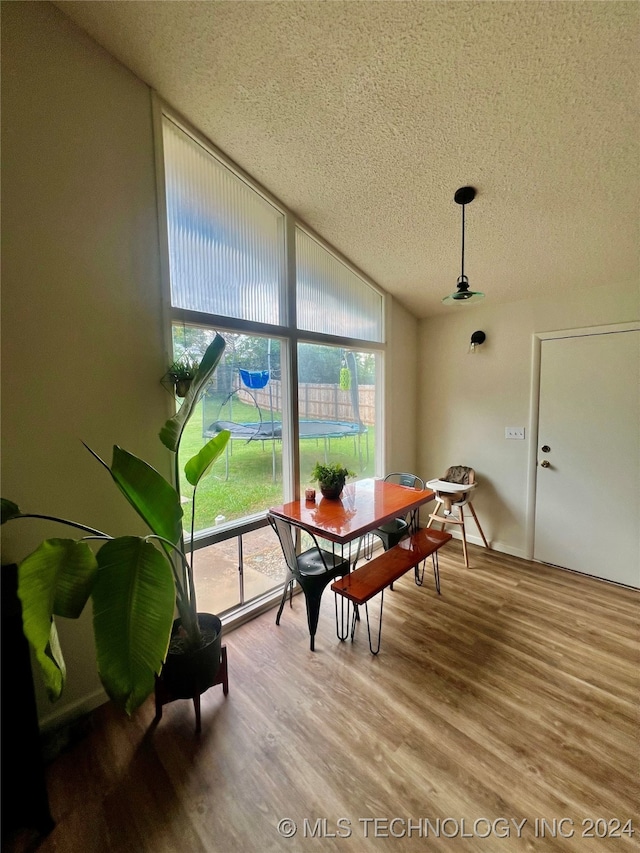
[331,478]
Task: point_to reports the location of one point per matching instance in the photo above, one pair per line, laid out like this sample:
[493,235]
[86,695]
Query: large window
[304,345]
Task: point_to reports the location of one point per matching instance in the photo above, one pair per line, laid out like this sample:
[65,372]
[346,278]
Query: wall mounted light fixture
[477,338]
[463,196]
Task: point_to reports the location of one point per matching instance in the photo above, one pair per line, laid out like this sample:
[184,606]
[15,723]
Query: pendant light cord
[462,275]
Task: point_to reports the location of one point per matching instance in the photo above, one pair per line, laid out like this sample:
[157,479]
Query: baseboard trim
[502,547]
[72,711]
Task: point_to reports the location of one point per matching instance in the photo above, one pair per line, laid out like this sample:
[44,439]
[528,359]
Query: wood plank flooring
[511,697]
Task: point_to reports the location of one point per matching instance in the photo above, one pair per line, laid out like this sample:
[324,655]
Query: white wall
[82,341]
[466,401]
[401,382]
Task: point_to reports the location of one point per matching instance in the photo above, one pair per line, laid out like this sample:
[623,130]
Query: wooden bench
[374,577]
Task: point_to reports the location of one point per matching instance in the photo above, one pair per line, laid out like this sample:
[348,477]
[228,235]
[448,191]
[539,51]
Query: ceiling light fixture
[463,196]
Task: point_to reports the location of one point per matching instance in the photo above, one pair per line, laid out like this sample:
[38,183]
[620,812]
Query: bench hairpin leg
[340,627]
[436,570]
[366,607]
[419,575]
[354,620]
[368,546]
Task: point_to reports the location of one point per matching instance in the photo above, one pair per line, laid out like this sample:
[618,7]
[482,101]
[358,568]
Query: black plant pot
[182,387]
[189,672]
[331,492]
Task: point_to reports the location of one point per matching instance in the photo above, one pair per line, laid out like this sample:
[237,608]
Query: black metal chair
[313,570]
[395,530]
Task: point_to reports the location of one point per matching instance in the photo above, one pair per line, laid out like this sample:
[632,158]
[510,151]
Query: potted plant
[331,478]
[182,372]
[135,582]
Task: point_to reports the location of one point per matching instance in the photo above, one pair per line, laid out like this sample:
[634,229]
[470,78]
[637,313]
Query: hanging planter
[345,379]
[181,374]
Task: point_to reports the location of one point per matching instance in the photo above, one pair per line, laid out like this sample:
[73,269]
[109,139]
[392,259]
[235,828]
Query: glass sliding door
[235,560]
[238,570]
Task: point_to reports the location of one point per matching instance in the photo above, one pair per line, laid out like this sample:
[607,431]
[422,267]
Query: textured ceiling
[365,117]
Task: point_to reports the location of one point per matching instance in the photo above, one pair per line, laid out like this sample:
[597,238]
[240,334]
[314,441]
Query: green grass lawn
[250,487]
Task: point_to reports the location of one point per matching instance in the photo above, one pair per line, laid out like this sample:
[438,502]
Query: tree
[319,364]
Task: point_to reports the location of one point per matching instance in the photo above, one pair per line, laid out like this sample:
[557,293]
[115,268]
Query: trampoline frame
[260,434]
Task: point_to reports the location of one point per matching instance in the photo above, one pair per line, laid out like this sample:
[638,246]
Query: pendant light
[463,196]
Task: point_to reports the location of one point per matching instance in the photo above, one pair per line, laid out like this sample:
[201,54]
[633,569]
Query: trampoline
[270,429]
[266,431]
[309,429]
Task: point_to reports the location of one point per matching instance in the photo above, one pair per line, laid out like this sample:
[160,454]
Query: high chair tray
[445,486]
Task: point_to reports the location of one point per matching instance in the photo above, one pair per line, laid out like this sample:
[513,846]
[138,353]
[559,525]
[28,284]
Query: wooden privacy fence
[317,401]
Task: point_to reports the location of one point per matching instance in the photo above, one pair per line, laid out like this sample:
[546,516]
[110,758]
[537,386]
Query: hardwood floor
[511,697]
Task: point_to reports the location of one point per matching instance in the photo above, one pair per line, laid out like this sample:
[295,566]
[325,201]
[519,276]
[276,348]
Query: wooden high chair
[455,488]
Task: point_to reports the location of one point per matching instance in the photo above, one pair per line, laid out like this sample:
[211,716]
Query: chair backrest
[410,480]
[461,474]
[285,535]
[284,530]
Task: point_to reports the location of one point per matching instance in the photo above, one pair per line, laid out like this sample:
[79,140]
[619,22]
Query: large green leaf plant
[135,583]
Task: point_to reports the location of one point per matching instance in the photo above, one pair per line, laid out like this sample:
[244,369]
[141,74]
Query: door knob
[545,463]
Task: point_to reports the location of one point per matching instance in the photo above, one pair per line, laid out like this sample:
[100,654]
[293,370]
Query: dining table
[362,506]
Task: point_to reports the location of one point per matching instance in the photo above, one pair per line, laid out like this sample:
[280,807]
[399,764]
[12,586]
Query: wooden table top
[362,506]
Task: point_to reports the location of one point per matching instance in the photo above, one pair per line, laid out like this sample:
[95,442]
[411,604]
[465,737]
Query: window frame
[288,333]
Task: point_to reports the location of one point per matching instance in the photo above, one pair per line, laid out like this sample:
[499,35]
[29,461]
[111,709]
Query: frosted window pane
[226,243]
[331,298]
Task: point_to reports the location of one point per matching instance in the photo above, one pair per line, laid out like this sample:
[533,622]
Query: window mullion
[291,456]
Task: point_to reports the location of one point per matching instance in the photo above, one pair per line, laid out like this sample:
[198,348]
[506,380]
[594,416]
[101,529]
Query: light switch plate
[514,432]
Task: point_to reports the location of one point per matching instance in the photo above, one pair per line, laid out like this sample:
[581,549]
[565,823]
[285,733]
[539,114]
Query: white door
[588,473]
